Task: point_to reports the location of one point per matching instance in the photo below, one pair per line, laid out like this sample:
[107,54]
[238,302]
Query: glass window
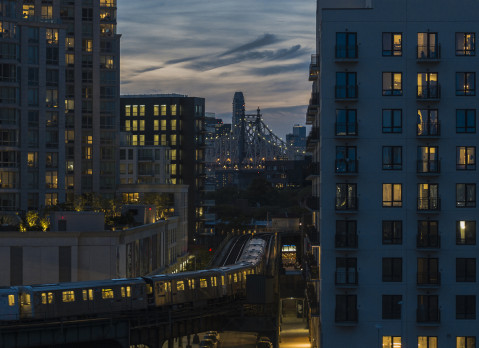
[68,296]
[466,83]
[427,122]
[466,270]
[428,197]
[392,44]
[346,197]
[466,158]
[466,342]
[346,270]
[346,308]
[11,300]
[392,121]
[392,83]
[392,269]
[391,309]
[465,44]
[107,293]
[392,157]
[346,45]
[466,307]
[346,85]
[465,195]
[163,110]
[204,282]
[346,159]
[466,232]
[427,342]
[346,236]
[465,121]
[392,231]
[346,122]
[427,234]
[427,46]
[427,85]
[427,159]
[392,195]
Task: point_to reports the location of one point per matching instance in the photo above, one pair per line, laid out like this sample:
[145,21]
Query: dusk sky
[213,48]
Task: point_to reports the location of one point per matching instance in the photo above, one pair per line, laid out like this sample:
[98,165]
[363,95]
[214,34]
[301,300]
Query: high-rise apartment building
[175,121]
[393,112]
[59,101]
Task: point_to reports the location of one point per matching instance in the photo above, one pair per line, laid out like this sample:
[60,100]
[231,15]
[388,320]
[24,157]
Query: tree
[31,218]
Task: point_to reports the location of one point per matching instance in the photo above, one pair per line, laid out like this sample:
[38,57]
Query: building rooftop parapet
[166,95]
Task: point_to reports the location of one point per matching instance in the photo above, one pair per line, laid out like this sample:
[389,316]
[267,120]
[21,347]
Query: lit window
[235,278]
[466,232]
[465,44]
[87,45]
[173,110]
[127,110]
[222,280]
[203,283]
[466,83]
[163,110]
[156,139]
[52,36]
[173,125]
[127,125]
[427,86]
[11,300]
[47,12]
[47,297]
[392,83]
[107,293]
[391,342]
[427,46]
[125,291]
[142,110]
[466,342]
[427,122]
[163,125]
[466,158]
[142,140]
[180,285]
[134,125]
[156,125]
[68,296]
[69,59]
[392,44]
[142,125]
[156,110]
[173,140]
[135,110]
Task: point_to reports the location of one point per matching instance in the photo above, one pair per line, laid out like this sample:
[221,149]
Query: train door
[26,309]
[88,301]
[161,297]
[47,303]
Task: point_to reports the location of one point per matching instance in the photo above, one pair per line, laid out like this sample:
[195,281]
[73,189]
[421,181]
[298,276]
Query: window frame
[388,83]
[468,164]
[346,309]
[465,52]
[391,307]
[395,230]
[391,269]
[461,78]
[395,189]
[391,115]
[466,269]
[469,238]
[468,191]
[395,162]
[346,164]
[350,50]
[393,51]
[348,114]
[465,307]
[468,114]
[350,85]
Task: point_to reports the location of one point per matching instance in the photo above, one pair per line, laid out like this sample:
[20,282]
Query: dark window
[465,44]
[427,46]
[392,121]
[466,158]
[346,122]
[427,308]
[465,341]
[346,270]
[392,306]
[346,85]
[465,195]
[392,83]
[346,308]
[392,195]
[466,270]
[346,159]
[465,307]
[392,269]
[427,159]
[428,271]
[466,83]
[392,157]
[392,44]
[427,122]
[346,45]
[346,197]
[466,121]
[427,234]
[346,236]
[392,232]
[427,85]
[465,232]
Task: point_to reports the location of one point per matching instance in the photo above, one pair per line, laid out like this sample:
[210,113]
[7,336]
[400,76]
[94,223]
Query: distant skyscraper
[237,125]
[296,142]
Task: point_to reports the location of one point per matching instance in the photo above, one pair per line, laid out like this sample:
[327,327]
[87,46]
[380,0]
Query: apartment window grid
[465,44]
[392,44]
[346,45]
[465,341]
[392,157]
[392,84]
[465,270]
[392,232]
[346,122]
[466,195]
[392,269]
[466,232]
[392,121]
[465,83]
[427,122]
[466,158]
[465,121]
[466,307]
[346,85]
[392,195]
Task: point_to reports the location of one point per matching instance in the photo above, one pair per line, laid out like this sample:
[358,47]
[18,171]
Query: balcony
[346,166]
[312,139]
[428,278]
[428,53]
[346,129]
[432,204]
[346,204]
[346,93]
[428,93]
[346,278]
[346,53]
[428,167]
[428,316]
[314,67]
[428,241]
[428,129]
[346,241]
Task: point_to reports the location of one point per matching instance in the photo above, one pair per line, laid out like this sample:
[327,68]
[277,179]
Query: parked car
[206,342]
[213,337]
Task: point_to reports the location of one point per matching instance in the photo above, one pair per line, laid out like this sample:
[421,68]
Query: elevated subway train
[94,298]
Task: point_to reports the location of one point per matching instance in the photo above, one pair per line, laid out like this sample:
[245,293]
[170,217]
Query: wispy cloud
[266,39]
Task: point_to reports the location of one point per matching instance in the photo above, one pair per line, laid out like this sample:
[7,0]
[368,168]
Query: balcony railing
[426,53]
[314,67]
[346,241]
[429,204]
[428,316]
[346,166]
[428,92]
[346,92]
[428,129]
[346,52]
[428,240]
[428,278]
[346,277]
[428,166]
[346,128]
[346,317]
[346,203]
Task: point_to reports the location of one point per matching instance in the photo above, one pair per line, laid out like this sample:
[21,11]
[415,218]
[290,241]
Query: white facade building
[395,124]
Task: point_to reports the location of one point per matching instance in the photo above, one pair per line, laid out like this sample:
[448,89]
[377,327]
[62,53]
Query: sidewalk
[294,333]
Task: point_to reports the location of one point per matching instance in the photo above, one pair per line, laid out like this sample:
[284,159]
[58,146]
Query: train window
[107,293]
[90,294]
[11,300]
[68,296]
[180,285]
[168,286]
[223,280]
[85,295]
[203,283]
[191,283]
[125,291]
[235,278]
[128,291]
[149,289]
[25,300]
[213,281]
[122,291]
[229,278]
[47,297]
